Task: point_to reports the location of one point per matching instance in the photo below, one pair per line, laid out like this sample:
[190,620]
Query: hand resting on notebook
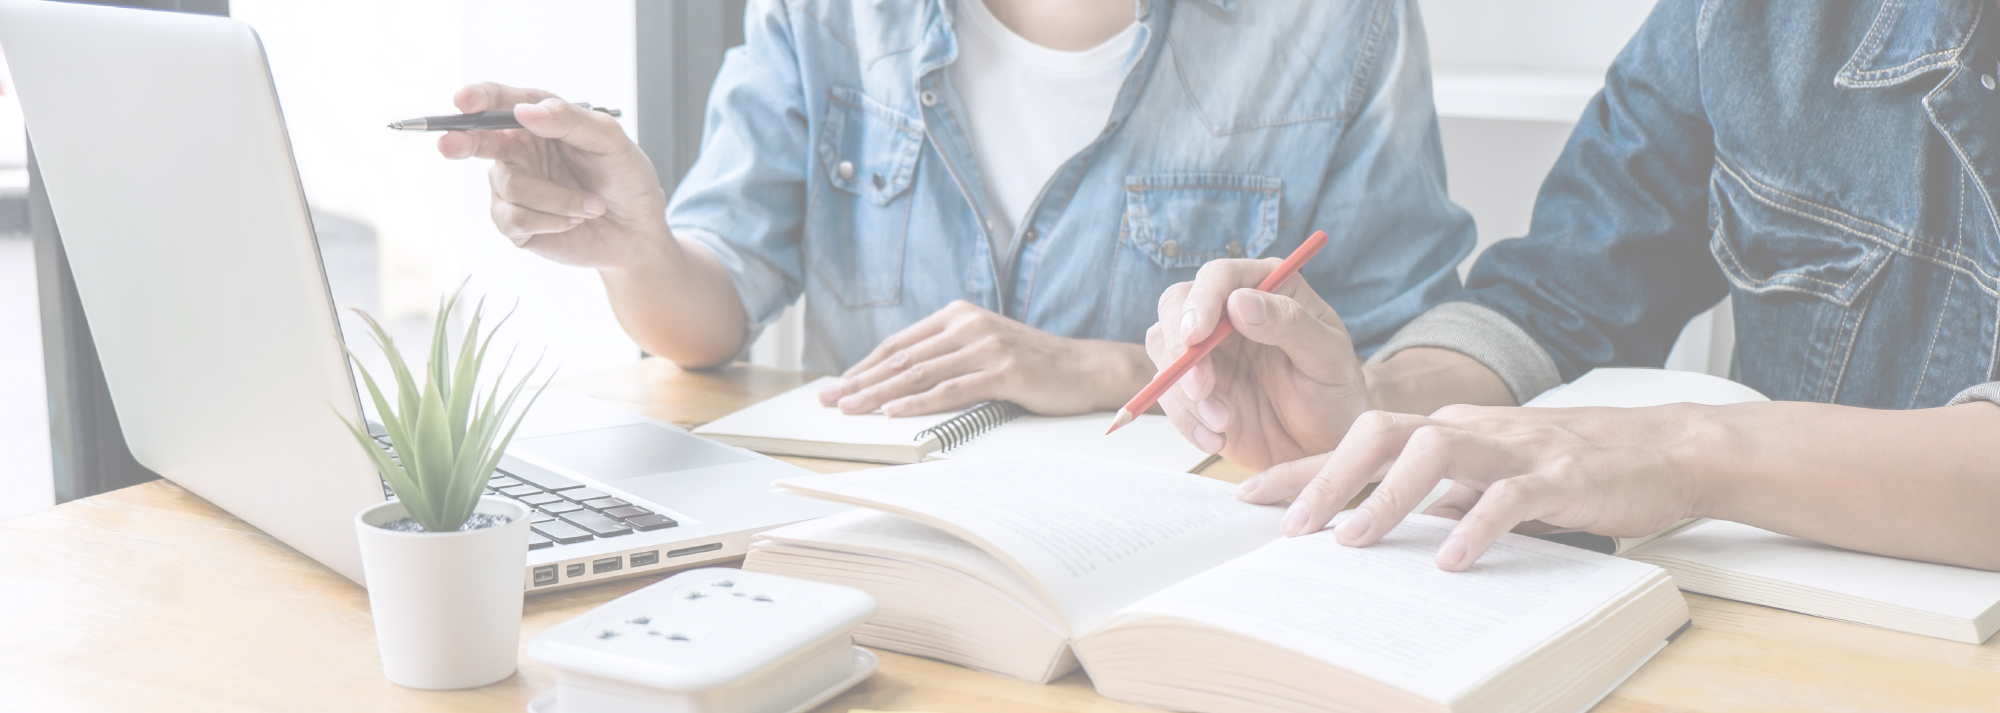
[963,354]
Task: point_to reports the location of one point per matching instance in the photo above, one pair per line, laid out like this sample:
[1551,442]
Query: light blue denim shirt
[1239,129]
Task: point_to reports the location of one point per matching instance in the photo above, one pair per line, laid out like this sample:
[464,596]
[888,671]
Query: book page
[873,532]
[1091,535]
[1632,388]
[1387,612]
[1149,440]
[1937,588]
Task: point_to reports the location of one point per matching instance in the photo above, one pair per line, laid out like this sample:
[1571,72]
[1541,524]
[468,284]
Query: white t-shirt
[1030,108]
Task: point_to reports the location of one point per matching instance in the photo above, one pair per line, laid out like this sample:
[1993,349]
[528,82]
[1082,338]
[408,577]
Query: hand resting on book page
[1617,472]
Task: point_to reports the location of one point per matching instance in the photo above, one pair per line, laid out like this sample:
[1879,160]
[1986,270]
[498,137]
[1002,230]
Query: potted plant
[443,562]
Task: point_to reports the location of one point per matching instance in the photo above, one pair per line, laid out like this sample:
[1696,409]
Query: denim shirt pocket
[1184,220]
[858,219]
[1175,223]
[1802,275]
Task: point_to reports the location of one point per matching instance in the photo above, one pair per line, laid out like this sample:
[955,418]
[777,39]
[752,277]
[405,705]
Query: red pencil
[1166,378]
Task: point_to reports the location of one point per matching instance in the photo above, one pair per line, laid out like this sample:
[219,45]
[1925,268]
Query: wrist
[1118,369]
[649,253]
[1421,380]
[1710,452]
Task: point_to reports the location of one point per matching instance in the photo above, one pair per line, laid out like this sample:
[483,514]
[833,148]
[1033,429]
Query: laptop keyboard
[564,512]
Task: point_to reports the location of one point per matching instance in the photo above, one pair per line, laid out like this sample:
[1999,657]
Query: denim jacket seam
[1986,282]
[1117,258]
[1218,130]
[1371,57]
[1924,372]
[1957,151]
[1847,353]
[838,36]
[1850,77]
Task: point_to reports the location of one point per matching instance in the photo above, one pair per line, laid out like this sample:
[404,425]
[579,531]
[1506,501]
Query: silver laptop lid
[167,164]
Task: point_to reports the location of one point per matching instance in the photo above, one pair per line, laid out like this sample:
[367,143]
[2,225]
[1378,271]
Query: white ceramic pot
[447,605]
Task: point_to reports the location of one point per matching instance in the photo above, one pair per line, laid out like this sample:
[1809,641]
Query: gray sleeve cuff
[1989,391]
[1486,336]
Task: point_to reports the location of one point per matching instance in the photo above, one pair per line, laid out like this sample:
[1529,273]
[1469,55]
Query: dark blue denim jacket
[1830,165]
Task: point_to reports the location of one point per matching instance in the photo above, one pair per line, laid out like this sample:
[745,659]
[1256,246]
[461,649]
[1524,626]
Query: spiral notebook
[795,424]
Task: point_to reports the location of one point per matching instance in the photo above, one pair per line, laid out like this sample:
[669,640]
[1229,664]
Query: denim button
[1234,248]
[928,97]
[1171,248]
[1986,80]
[1030,235]
[846,170]
[878,182]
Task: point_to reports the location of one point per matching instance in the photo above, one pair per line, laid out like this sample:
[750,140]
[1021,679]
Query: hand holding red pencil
[1287,389]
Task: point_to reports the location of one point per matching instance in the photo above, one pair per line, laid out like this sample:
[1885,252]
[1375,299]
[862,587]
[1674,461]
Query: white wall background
[345,68]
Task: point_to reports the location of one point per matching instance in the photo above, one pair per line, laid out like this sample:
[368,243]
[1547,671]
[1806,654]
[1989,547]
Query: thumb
[1320,350]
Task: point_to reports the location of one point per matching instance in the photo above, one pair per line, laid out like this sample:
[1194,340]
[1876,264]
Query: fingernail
[850,403]
[1187,325]
[1452,555]
[1356,525]
[1294,523]
[893,408]
[593,206]
[1249,485]
[829,395]
[1212,414]
[1206,440]
[1252,311]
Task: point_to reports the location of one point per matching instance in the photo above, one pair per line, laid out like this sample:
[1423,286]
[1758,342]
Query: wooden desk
[150,599]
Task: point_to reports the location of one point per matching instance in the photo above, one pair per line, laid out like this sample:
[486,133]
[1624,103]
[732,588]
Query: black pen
[482,121]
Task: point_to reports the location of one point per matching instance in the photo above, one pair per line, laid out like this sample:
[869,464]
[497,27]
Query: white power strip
[708,641]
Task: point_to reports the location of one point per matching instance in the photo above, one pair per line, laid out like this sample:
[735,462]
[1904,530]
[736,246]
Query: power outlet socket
[709,640]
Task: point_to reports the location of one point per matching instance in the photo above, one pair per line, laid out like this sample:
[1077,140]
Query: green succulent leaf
[441,428]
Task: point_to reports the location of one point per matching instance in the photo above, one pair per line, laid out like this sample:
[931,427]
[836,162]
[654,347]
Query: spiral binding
[971,424]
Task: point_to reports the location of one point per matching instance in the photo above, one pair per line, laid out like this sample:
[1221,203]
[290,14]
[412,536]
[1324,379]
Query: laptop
[170,173]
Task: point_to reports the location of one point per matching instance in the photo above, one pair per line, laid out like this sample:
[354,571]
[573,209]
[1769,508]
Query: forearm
[677,301]
[1421,380]
[1921,484]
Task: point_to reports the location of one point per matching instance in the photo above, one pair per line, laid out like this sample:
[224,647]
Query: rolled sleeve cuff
[1988,392]
[761,287]
[1488,337]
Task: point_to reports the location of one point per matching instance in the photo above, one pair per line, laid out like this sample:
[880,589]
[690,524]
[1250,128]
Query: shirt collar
[1910,38]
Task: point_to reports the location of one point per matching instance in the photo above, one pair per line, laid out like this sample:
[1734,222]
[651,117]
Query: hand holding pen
[569,185]
[1286,387]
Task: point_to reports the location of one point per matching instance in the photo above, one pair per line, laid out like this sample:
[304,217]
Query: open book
[1174,594]
[795,424]
[1737,561]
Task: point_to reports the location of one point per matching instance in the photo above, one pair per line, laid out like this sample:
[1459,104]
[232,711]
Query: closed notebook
[1171,593]
[1736,561]
[795,424]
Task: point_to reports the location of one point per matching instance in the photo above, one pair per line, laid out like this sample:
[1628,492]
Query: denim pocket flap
[1770,241]
[867,148]
[1187,219]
